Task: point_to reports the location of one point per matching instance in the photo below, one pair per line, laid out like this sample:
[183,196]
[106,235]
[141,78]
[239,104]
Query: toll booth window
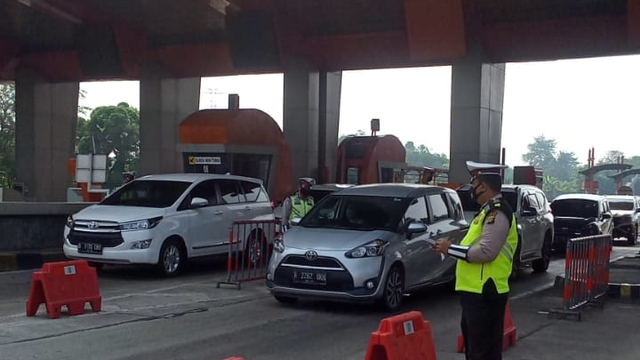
[253,192]
[229,192]
[386,175]
[353,175]
[252,165]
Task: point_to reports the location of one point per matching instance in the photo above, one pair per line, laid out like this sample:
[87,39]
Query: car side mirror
[529,211]
[637,210]
[197,202]
[295,221]
[415,227]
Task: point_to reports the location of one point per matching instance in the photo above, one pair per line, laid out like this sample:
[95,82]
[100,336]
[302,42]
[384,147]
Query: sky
[579,103]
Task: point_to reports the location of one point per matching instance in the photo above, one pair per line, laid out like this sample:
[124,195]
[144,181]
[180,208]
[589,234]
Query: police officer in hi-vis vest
[485,258]
[299,204]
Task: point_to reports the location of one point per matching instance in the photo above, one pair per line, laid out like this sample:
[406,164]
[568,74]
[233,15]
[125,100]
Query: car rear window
[621,204]
[472,205]
[580,208]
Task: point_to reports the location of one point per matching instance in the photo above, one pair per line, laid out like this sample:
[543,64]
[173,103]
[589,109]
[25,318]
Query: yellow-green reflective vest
[471,277]
[299,207]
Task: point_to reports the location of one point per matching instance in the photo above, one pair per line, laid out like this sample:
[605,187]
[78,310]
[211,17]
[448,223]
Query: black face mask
[474,193]
[305,192]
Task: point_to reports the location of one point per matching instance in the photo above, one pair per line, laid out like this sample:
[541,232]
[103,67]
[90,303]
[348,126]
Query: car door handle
[218,212]
[247,208]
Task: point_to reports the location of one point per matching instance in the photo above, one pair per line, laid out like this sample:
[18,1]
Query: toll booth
[369,159]
[625,190]
[528,175]
[246,142]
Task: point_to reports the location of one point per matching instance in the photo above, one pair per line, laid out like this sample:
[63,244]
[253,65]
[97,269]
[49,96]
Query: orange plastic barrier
[65,283]
[402,337]
[509,333]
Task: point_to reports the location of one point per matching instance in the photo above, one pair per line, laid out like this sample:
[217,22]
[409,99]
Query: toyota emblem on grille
[93,225]
[311,255]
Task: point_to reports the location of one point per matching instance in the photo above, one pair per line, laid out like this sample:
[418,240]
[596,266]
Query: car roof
[592,197]
[621,197]
[194,177]
[391,190]
[331,187]
[505,187]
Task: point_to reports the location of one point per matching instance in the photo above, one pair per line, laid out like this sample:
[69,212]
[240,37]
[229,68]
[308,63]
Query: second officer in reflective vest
[485,261]
[299,204]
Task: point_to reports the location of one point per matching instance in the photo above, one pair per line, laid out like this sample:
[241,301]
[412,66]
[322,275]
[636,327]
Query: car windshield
[580,208]
[357,213]
[147,193]
[621,204]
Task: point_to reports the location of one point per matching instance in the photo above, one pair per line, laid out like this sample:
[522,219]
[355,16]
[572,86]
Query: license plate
[90,248]
[310,277]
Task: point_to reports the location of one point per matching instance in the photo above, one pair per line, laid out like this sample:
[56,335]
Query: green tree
[541,153]
[565,166]
[7,134]
[115,131]
[358,133]
[422,156]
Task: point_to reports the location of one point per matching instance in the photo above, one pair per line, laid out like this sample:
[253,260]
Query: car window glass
[417,210]
[439,207]
[533,201]
[229,192]
[205,190]
[455,206]
[542,202]
[147,193]
[251,191]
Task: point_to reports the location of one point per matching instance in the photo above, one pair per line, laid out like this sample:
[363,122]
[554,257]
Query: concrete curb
[29,260]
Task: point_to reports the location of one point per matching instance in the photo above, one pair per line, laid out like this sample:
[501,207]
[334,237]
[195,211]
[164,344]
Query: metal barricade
[586,274]
[250,246]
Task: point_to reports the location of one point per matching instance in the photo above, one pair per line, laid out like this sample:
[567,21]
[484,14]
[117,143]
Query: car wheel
[285,299]
[255,249]
[633,237]
[515,267]
[542,264]
[172,258]
[393,289]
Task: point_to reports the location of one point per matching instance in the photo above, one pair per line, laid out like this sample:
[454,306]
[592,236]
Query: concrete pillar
[311,119]
[301,120]
[164,102]
[328,123]
[477,96]
[46,121]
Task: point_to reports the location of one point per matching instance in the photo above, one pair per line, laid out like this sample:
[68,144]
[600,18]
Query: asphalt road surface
[146,317]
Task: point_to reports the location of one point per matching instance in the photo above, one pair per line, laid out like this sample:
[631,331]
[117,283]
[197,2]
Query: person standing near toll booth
[299,204]
[485,261]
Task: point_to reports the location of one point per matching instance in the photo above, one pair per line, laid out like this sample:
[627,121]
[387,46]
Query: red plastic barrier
[66,283]
[508,335]
[233,358]
[402,337]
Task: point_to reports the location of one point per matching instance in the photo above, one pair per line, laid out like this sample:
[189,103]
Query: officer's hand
[441,246]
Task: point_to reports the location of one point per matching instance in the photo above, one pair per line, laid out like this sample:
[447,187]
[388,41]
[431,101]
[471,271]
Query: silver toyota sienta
[368,243]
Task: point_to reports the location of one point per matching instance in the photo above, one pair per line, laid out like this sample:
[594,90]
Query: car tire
[285,299]
[631,240]
[255,250]
[541,265]
[393,291]
[172,258]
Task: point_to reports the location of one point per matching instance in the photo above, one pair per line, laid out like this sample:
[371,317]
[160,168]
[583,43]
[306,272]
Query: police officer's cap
[484,170]
[306,182]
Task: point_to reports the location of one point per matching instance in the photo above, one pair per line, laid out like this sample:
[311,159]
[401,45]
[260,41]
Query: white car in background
[165,219]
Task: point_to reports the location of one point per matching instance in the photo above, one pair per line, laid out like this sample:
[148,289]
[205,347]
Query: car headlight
[70,222]
[374,248]
[140,224]
[278,243]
